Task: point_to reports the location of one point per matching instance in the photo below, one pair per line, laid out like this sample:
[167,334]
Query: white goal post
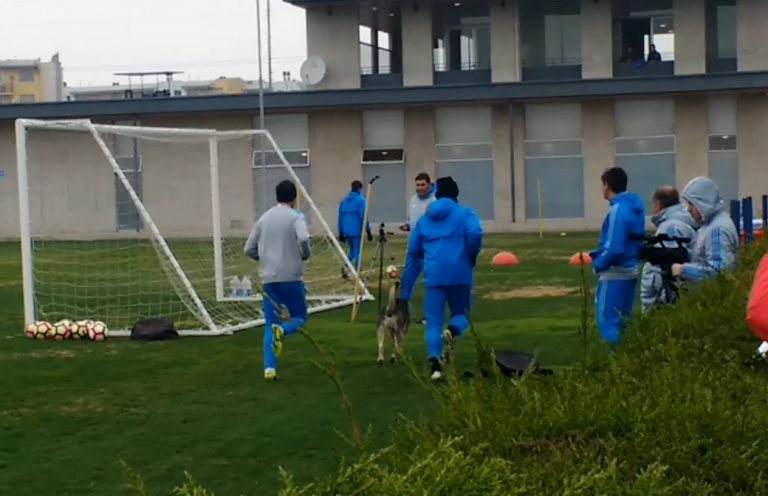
[176,257]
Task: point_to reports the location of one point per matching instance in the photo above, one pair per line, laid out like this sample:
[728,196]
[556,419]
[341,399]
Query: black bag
[517,363]
[154,330]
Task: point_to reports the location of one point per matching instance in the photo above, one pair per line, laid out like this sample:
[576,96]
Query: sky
[205,39]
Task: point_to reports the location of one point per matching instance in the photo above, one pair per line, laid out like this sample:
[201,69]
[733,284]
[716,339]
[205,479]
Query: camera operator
[671,218]
[717,242]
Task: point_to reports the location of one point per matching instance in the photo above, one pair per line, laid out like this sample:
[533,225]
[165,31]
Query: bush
[673,411]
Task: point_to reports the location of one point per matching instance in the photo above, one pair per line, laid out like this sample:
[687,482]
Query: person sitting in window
[628,57]
[653,55]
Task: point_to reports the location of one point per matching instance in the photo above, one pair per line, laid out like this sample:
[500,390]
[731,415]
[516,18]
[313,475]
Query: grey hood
[677,213]
[704,194]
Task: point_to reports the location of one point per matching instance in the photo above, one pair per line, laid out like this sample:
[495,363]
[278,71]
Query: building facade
[30,81]
[523,102]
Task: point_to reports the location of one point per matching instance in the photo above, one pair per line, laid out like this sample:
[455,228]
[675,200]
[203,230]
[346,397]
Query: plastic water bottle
[246,286]
[234,286]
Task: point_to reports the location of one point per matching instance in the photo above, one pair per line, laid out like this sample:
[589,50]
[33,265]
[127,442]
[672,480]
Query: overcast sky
[204,38]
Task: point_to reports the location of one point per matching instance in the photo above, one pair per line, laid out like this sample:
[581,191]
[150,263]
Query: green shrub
[673,411]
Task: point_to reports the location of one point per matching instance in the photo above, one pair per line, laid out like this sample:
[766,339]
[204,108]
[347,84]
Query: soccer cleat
[437,370]
[270,374]
[277,339]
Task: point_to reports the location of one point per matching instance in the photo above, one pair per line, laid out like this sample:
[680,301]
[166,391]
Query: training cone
[575,260]
[504,258]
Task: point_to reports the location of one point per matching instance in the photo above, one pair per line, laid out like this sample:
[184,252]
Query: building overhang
[306,101]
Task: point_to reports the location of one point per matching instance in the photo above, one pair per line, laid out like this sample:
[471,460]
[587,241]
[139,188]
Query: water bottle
[234,286]
[246,286]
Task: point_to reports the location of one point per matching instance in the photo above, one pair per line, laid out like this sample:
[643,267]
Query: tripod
[382,252]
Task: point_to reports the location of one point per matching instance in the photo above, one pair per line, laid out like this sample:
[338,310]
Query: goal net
[123,222]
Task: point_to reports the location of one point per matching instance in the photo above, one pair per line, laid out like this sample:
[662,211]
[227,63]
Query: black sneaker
[437,370]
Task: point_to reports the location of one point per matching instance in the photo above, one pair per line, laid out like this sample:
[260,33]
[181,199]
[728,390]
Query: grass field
[71,412]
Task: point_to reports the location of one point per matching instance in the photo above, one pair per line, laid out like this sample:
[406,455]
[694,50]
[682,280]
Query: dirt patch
[533,292]
[40,354]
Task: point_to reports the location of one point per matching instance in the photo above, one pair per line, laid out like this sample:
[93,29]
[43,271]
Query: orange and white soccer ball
[62,330]
[98,331]
[38,329]
[392,271]
[80,329]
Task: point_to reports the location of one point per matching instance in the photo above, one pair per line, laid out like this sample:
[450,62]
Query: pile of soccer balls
[66,329]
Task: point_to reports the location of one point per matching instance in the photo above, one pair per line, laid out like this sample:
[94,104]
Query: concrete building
[524,102]
[29,81]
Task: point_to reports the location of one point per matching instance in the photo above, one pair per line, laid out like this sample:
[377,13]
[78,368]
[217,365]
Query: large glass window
[462,36]
[723,155]
[554,166]
[127,156]
[550,33]
[644,33]
[645,144]
[380,41]
[464,151]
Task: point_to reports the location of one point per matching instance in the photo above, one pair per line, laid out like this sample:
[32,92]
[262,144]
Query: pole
[269,43]
[541,209]
[362,244]
[262,125]
[27,261]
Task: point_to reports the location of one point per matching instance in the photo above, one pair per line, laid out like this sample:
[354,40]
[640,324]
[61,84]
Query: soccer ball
[392,271]
[37,330]
[80,329]
[62,330]
[98,331]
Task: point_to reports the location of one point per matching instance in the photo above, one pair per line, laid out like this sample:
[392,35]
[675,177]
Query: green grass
[71,412]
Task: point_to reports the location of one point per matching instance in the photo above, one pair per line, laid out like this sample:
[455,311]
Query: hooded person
[445,242]
[673,219]
[717,242]
[615,260]
[350,223]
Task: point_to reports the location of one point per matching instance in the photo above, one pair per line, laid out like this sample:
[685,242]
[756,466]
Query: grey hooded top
[676,222]
[717,242]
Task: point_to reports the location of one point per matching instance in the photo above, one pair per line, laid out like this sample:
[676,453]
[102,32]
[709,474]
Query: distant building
[30,80]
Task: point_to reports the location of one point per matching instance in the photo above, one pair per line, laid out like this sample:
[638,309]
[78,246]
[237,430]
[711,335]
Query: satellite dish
[312,70]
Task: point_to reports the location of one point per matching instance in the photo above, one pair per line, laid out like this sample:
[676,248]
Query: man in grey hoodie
[717,242]
[671,218]
[279,241]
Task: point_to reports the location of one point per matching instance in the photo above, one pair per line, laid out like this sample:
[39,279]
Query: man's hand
[677,270]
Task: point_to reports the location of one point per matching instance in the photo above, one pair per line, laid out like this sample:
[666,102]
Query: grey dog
[395,318]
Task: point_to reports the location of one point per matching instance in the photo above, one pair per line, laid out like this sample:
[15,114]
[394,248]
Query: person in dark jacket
[350,223]
[445,242]
[615,261]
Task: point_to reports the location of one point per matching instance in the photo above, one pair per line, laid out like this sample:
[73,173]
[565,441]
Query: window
[26,98]
[26,75]
[723,155]
[380,41]
[550,33]
[662,36]
[554,166]
[462,36]
[464,150]
[126,152]
[645,144]
[383,155]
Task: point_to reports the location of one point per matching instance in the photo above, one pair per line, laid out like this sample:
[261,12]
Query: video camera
[656,252]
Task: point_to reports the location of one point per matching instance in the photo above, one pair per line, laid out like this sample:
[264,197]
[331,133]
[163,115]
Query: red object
[504,258]
[575,260]
[757,307]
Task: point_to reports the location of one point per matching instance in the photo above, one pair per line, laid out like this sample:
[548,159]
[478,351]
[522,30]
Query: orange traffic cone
[577,257]
[504,258]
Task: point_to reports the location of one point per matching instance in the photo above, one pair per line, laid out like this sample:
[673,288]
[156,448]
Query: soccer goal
[123,222]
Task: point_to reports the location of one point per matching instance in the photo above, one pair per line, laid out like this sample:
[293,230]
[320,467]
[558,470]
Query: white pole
[204,316]
[213,146]
[262,125]
[269,44]
[24,227]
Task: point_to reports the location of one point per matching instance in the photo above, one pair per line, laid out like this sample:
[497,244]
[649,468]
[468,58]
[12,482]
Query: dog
[395,318]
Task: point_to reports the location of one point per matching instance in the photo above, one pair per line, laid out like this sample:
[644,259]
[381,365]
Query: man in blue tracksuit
[615,261]
[445,242]
[350,223]
[280,242]
[717,242]
[673,219]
